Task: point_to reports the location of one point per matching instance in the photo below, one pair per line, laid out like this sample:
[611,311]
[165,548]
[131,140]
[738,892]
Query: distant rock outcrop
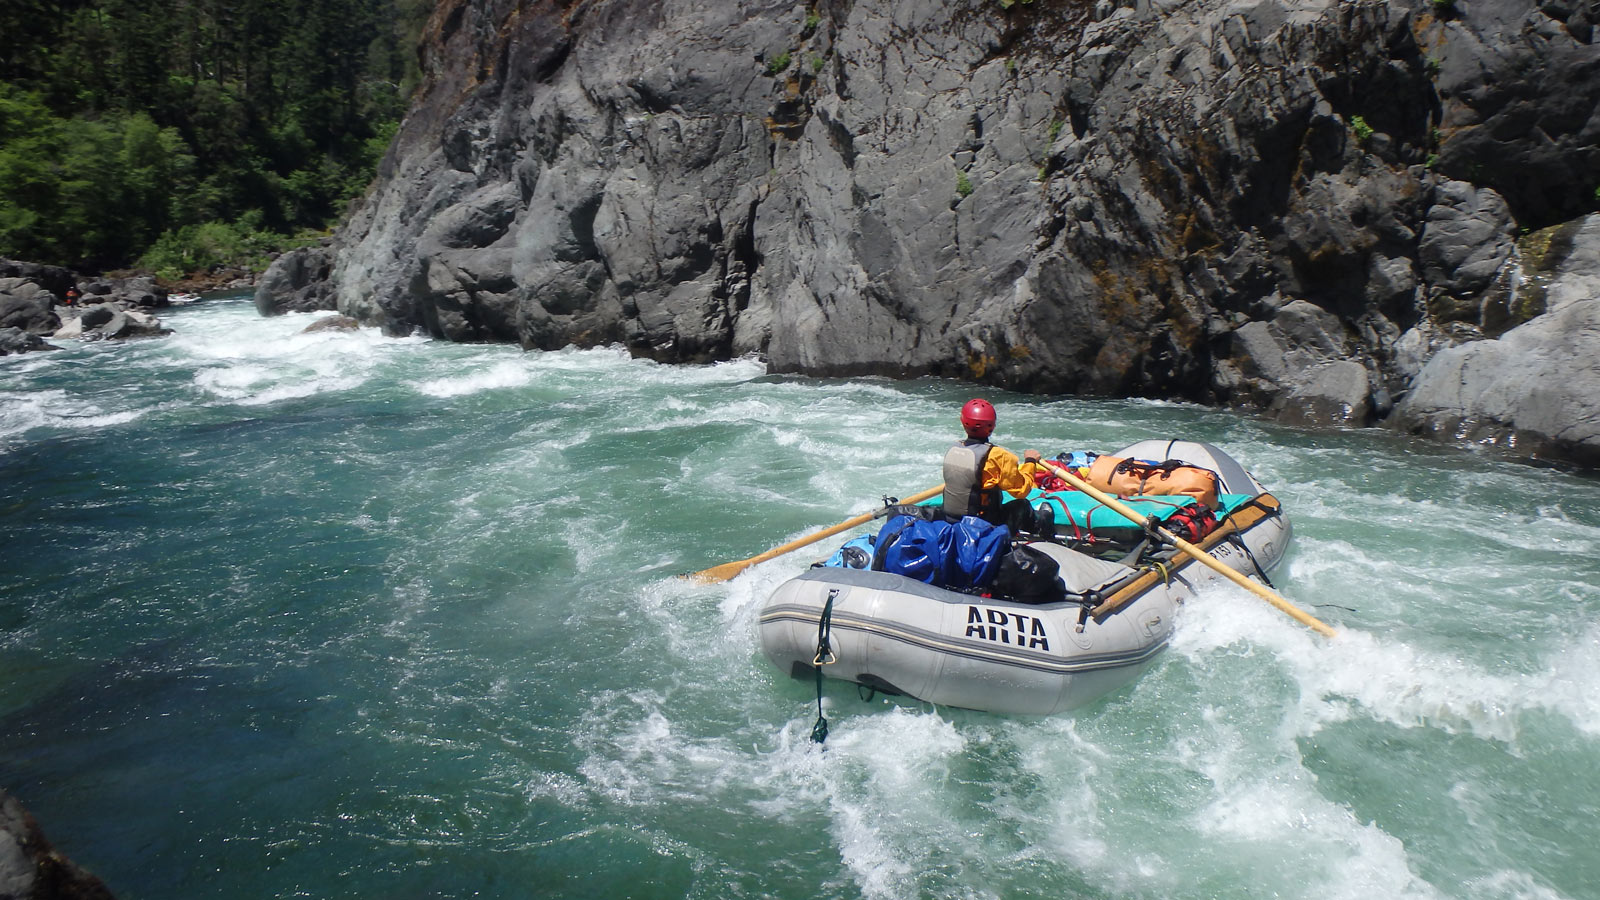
[297,281]
[34,304]
[109,321]
[1280,206]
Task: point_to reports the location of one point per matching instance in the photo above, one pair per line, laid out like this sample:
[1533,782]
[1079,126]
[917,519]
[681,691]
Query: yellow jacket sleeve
[1002,471]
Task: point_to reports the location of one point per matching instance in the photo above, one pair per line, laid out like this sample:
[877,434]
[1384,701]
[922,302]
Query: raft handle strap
[825,656]
[1238,541]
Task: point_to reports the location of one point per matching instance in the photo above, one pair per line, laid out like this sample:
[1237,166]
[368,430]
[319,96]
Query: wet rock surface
[31,868]
[38,302]
[1288,208]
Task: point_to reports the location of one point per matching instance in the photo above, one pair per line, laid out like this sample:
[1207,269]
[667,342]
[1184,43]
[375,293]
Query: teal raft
[1119,592]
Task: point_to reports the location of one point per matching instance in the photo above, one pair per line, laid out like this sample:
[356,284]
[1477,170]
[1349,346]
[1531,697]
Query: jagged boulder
[54,279]
[15,340]
[109,321]
[1535,389]
[1307,349]
[296,281]
[1278,206]
[32,869]
[140,291]
[27,305]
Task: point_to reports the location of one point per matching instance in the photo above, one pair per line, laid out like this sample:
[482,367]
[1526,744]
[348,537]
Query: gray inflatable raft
[900,636]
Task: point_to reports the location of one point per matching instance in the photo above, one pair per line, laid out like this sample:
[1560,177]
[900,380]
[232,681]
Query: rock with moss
[1536,389]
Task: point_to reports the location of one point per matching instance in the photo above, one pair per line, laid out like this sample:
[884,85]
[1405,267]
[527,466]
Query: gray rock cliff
[1536,388]
[1293,207]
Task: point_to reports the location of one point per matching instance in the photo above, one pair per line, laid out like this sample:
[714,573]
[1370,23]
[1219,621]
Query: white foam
[1321,841]
[21,412]
[1505,884]
[499,376]
[1571,684]
[883,779]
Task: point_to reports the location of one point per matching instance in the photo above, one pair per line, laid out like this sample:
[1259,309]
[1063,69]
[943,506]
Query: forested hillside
[182,134]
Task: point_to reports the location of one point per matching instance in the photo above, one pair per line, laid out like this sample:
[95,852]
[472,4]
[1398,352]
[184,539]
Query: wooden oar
[1200,555]
[729,570]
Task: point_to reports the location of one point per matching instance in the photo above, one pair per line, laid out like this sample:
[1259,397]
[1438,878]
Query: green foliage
[778,63]
[817,63]
[1362,130]
[1055,130]
[1597,193]
[122,122]
[812,20]
[963,184]
[1433,160]
[1444,6]
[210,245]
[84,189]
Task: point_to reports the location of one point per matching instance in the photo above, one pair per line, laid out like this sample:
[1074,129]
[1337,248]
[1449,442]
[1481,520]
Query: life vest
[1130,477]
[964,494]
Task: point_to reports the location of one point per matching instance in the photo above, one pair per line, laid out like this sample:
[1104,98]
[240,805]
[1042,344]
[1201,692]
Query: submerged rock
[332,323]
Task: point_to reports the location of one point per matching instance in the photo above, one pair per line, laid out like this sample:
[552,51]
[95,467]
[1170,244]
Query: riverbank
[38,302]
[228,279]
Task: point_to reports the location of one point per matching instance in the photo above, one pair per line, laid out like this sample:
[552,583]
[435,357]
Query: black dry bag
[1029,576]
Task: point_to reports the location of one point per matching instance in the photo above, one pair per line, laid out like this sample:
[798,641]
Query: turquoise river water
[339,615]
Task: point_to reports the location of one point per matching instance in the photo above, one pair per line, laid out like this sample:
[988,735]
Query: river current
[333,614]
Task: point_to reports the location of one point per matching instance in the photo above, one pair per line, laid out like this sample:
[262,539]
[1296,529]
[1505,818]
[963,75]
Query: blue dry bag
[976,551]
[944,554]
[855,554]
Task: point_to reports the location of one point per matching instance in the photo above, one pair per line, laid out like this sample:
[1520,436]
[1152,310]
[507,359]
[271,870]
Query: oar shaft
[1201,556]
[729,570]
[846,525]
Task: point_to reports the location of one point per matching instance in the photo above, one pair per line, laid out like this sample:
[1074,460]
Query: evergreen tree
[127,124]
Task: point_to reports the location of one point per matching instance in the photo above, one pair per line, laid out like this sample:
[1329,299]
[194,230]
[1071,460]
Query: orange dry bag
[1129,477]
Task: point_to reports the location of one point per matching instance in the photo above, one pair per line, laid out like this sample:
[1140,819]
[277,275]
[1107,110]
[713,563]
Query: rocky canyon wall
[1327,212]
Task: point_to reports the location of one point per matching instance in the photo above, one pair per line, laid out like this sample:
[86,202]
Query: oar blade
[718,574]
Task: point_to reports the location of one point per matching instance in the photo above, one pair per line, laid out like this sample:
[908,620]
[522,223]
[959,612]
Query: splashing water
[322,614]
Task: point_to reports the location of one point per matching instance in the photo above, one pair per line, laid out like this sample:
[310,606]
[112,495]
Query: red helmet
[977,417]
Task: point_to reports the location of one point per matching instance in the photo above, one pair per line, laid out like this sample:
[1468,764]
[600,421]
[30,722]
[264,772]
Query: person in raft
[978,475]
